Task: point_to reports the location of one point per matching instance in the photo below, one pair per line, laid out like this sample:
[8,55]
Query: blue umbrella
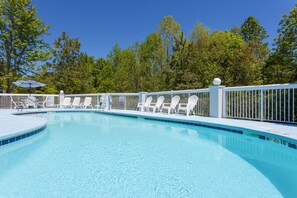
[28,84]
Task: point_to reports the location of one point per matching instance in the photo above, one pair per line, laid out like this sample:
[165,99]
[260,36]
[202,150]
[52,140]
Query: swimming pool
[87,154]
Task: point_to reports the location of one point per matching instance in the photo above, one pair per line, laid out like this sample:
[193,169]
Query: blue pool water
[98,155]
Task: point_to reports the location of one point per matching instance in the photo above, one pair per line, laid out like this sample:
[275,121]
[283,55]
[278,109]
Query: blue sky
[101,24]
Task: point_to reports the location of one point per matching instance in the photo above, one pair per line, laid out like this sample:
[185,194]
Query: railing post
[141,98]
[262,105]
[61,98]
[125,102]
[216,99]
[224,102]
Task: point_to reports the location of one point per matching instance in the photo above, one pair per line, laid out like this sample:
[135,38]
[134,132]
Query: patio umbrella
[28,84]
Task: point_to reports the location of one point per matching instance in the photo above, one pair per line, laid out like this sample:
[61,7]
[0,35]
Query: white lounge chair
[143,106]
[66,102]
[87,103]
[188,107]
[76,102]
[42,103]
[31,101]
[17,104]
[157,106]
[171,106]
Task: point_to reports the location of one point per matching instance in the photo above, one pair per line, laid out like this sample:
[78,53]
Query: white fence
[122,101]
[202,107]
[266,103]
[275,103]
[7,100]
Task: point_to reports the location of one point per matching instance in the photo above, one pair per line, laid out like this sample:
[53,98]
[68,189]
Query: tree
[152,54]
[72,69]
[21,44]
[183,75]
[282,64]
[199,33]
[169,29]
[254,34]
[251,30]
[104,76]
[227,56]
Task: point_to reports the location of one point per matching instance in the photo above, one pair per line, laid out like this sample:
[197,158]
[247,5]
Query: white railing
[274,103]
[7,100]
[122,101]
[202,107]
[266,103]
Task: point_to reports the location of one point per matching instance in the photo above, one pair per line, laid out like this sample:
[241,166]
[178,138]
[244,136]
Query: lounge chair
[171,106]
[76,102]
[87,103]
[31,101]
[188,107]
[157,106]
[17,104]
[143,106]
[42,103]
[66,102]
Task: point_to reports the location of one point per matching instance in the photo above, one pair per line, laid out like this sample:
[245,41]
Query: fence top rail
[26,95]
[262,87]
[179,91]
[100,94]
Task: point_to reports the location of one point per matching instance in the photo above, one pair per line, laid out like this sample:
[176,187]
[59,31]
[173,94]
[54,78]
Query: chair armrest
[140,104]
[152,105]
[166,104]
[182,105]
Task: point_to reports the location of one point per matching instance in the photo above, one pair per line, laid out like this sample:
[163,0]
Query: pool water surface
[83,154]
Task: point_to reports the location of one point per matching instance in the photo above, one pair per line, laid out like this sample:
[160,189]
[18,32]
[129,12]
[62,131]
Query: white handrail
[100,94]
[262,87]
[179,91]
[13,94]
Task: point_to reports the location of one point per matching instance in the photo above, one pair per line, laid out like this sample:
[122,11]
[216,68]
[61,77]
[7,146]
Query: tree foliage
[281,66]
[166,60]
[21,43]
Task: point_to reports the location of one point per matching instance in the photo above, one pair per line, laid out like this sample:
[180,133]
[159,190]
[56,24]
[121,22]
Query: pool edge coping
[265,135]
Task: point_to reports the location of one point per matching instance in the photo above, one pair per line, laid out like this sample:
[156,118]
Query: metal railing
[121,101]
[275,103]
[7,100]
[202,107]
[266,103]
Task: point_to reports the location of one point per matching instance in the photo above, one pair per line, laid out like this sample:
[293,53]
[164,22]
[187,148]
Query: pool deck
[12,125]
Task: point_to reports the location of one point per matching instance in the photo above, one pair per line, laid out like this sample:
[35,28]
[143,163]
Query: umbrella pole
[29,89]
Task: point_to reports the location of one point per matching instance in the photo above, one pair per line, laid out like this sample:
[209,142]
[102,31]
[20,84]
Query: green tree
[183,75]
[254,35]
[71,68]
[169,29]
[21,43]
[199,33]
[104,76]
[225,55]
[65,57]
[281,66]
[152,53]
[236,30]
[251,30]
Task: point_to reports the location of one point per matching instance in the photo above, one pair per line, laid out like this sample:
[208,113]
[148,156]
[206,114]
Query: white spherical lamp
[61,92]
[216,81]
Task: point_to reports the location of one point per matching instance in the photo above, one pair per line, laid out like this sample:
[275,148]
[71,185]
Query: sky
[101,24]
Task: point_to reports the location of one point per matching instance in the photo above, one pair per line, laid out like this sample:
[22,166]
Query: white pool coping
[12,125]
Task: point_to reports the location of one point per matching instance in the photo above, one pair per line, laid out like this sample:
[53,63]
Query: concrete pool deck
[11,125]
